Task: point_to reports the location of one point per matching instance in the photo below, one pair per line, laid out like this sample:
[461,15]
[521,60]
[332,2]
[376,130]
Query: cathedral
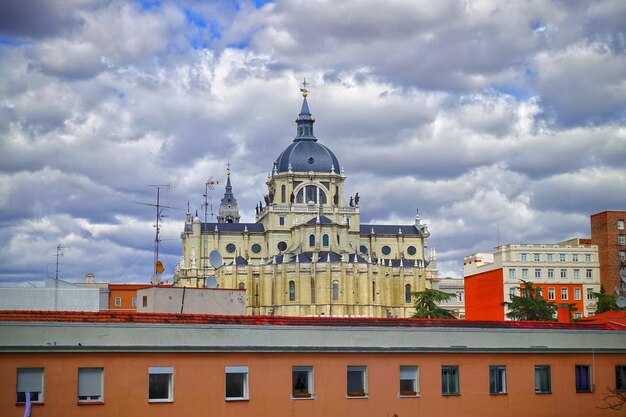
[307,253]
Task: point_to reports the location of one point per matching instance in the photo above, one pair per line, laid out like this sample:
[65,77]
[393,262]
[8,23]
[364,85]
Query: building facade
[455,287]
[112,363]
[308,252]
[609,234]
[567,272]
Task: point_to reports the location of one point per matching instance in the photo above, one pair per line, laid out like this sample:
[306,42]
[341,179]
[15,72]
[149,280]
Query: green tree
[426,306]
[605,302]
[530,305]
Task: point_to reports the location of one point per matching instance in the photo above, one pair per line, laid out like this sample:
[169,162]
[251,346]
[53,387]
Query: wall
[483,295]
[199,384]
[192,300]
[604,233]
[66,299]
[126,293]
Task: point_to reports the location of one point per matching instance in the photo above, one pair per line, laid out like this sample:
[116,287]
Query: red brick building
[609,234]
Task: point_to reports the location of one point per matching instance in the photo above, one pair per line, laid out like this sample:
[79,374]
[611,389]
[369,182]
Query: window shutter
[29,380]
[89,382]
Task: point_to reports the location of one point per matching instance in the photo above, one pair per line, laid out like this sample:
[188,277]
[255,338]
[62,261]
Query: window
[542,379]
[497,379]
[135,302]
[283,193]
[90,384]
[524,273]
[512,292]
[511,273]
[459,297]
[576,273]
[550,273]
[241,286]
[231,248]
[590,294]
[386,250]
[311,240]
[363,249]
[523,257]
[325,240]
[551,294]
[563,273]
[620,377]
[335,290]
[144,301]
[588,273]
[236,383]
[357,381]
[575,257]
[550,257]
[450,380]
[118,301]
[302,382]
[311,194]
[577,294]
[29,380]
[583,378]
[373,290]
[281,221]
[408,381]
[587,257]
[160,384]
[561,257]
[621,239]
[256,248]
[411,250]
[292,291]
[622,255]
[539,292]
[564,295]
[282,246]
[537,273]
[536,257]
[620,224]
[578,315]
[407,293]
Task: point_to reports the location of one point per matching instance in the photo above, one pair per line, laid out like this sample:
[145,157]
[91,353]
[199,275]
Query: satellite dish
[215,259]
[621,301]
[158,266]
[210,282]
[156,279]
[622,274]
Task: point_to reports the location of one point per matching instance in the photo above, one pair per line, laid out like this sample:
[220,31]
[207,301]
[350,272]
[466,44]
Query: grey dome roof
[306,153]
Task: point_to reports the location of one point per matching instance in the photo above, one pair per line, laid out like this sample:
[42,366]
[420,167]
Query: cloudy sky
[502,121]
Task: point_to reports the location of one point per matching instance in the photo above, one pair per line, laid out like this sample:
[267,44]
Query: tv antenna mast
[158,265]
[209,185]
[56,277]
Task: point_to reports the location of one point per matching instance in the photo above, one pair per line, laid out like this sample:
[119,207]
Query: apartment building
[608,233]
[148,364]
[566,272]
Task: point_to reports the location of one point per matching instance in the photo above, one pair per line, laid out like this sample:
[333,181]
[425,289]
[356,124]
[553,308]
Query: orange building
[566,272]
[140,364]
[123,297]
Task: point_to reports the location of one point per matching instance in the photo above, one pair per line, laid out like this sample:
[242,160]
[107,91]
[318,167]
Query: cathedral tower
[229,211]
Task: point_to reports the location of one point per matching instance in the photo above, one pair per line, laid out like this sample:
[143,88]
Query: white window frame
[524,273]
[551,273]
[590,294]
[511,273]
[537,273]
[576,273]
[363,372]
[620,224]
[90,385]
[577,294]
[550,257]
[574,257]
[409,373]
[29,380]
[236,370]
[551,293]
[539,387]
[307,393]
[563,273]
[589,273]
[587,257]
[162,370]
[621,240]
[523,257]
[446,377]
[497,379]
[118,301]
[565,291]
[562,257]
[134,302]
[512,292]
[536,257]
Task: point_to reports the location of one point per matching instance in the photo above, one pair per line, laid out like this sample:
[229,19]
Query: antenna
[56,277]
[208,185]
[158,265]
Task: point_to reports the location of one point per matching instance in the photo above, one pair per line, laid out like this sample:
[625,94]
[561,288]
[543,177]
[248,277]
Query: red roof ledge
[207,319]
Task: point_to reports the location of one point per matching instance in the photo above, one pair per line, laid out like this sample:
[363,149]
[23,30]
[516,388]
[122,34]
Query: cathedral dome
[306,154]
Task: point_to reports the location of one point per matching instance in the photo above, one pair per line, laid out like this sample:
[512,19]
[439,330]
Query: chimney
[562,313]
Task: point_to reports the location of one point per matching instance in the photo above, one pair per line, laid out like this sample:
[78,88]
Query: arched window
[242,286]
[312,240]
[373,290]
[292,291]
[407,293]
[325,240]
[335,290]
[283,192]
[311,193]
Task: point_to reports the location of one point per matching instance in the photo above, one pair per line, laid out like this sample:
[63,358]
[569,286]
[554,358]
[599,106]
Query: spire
[305,120]
[229,210]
